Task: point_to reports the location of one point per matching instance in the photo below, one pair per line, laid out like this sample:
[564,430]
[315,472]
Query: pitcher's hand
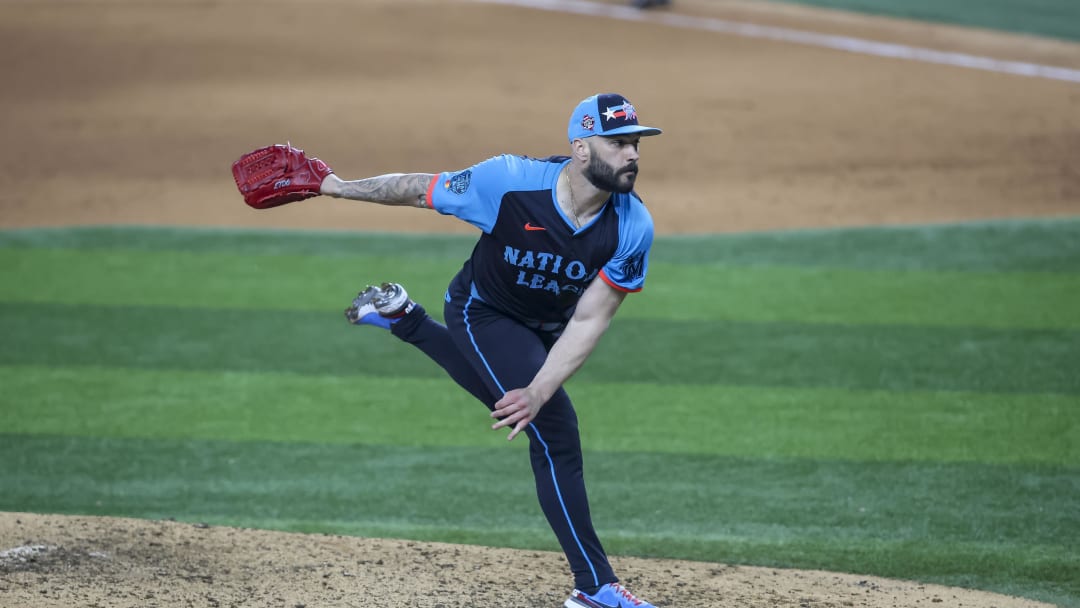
[518,408]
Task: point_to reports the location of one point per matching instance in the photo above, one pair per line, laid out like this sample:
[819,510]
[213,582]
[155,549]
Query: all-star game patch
[459,183]
[588,122]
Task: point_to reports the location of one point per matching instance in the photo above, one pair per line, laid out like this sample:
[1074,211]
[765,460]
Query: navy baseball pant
[488,354]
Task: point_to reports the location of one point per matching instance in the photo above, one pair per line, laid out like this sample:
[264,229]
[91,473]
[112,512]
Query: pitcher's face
[613,162]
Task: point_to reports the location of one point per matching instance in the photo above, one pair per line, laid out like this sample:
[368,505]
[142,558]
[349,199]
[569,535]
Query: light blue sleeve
[475,194]
[627,268]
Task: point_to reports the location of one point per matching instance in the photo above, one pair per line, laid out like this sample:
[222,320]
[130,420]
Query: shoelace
[626,594]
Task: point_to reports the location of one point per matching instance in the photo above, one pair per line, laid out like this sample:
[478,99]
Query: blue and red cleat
[379,306]
[611,595]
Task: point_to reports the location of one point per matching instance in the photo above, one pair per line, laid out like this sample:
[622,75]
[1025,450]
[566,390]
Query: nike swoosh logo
[530,227]
[597,604]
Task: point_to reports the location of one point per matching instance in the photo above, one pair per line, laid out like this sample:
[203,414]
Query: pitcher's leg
[555,455]
[507,355]
[433,339]
[389,306]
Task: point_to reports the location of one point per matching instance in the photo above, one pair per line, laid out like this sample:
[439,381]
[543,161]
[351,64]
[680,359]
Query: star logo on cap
[626,112]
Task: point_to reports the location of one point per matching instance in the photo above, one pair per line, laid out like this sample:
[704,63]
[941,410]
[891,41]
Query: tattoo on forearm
[392,189]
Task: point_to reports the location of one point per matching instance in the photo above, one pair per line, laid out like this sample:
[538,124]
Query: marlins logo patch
[634,267]
[459,183]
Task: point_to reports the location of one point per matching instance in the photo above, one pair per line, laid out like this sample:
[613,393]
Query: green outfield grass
[1055,18]
[989,299]
[902,402]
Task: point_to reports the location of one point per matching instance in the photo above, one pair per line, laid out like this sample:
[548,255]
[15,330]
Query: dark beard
[604,177]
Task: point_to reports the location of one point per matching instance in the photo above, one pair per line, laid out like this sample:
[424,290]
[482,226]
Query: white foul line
[780,34]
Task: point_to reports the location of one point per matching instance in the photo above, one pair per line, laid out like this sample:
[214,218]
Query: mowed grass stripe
[1045,245]
[1058,18]
[241,241]
[822,295]
[909,517]
[713,420]
[818,498]
[673,352]
[808,295]
[202,280]
[1038,245]
[243,406]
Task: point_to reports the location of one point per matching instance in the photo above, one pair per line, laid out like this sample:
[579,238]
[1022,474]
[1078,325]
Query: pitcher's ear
[580,149]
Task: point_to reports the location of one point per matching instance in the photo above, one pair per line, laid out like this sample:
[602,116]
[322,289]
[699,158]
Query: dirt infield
[85,561]
[130,112]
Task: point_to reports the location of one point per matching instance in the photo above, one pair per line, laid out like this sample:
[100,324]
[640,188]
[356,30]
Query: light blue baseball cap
[606,114]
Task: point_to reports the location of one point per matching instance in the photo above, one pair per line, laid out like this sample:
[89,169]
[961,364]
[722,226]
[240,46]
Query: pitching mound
[61,561]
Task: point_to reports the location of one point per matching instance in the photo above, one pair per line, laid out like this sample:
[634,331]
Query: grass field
[1054,18]
[894,401]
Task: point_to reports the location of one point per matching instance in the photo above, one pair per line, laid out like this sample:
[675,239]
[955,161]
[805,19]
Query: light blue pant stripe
[566,514]
[547,453]
[476,347]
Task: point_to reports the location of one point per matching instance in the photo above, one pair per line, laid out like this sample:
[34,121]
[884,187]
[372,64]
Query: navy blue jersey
[530,261]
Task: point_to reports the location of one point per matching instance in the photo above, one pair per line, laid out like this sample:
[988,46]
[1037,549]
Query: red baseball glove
[276,175]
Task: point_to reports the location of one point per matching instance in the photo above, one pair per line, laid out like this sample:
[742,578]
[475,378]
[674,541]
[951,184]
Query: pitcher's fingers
[511,419]
[504,411]
[517,429]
